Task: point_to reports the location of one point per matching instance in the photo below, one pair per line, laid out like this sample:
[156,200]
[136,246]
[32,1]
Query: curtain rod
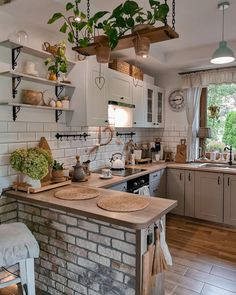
[198,71]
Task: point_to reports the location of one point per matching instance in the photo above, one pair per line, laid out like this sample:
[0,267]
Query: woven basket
[120,66]
[136,72]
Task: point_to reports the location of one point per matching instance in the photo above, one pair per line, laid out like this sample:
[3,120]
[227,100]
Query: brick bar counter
[84,249]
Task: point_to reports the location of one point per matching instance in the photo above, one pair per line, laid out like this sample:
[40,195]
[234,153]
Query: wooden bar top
[134,220]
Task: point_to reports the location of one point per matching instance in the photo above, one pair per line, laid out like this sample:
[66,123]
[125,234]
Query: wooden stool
[18,245]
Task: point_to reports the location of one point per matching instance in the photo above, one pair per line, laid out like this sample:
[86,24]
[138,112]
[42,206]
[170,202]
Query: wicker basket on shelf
[120,66]
[136,72]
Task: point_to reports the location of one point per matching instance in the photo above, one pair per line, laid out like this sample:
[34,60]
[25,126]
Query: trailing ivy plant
[122,19]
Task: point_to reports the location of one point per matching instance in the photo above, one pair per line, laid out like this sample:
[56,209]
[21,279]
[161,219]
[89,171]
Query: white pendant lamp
[223,53]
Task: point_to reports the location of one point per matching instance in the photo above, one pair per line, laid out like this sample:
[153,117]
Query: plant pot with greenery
[33,163]
[58,62]
[57,170]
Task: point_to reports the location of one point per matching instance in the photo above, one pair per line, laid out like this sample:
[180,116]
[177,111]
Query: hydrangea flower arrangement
[33,162]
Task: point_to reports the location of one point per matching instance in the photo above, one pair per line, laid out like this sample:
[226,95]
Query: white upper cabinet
[90,103]
[139,102]
[153,108]
[120,87]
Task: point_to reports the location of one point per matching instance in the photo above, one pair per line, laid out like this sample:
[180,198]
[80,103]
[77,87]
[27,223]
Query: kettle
[79,173]
[117,163]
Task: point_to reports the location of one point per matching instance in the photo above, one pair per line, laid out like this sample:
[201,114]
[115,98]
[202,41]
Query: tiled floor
[204,258]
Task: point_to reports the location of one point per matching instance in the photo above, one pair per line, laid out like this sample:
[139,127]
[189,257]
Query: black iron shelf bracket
[74,136]
[15,52]
[131,134]
[15,111]
[15,83]
[58,90]
[58,113]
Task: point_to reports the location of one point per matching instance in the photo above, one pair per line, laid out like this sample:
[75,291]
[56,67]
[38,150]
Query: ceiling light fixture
[223,53]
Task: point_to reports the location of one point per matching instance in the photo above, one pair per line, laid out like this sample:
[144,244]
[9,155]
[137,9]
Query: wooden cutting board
[147,261]
[181,153]
[43,144]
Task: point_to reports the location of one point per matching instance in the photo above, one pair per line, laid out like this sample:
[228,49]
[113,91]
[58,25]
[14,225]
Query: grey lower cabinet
[230,199]
[175,189]
[209,199]
[189,193]
[157,183]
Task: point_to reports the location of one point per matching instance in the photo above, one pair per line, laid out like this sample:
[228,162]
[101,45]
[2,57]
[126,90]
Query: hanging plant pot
[142,46]
[141,27]
[103,51]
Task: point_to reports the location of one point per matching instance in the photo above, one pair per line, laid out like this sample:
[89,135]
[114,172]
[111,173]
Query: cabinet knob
[228,181]
[154,123]
[189,176]
[106,121]
[218,179]
[135,123]
[122,97]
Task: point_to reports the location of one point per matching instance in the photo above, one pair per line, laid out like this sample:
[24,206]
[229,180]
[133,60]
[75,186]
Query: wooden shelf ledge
[155,35]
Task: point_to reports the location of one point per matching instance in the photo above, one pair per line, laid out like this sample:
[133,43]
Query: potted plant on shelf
[58,62]
[57,170]
[34,163]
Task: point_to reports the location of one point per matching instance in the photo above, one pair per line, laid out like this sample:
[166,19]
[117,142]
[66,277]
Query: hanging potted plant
[58,62]
[213,111]
[34,163]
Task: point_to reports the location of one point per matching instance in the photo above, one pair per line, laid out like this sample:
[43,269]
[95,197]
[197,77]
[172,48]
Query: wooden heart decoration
[100,82]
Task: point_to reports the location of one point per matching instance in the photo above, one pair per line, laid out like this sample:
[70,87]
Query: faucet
[229,148]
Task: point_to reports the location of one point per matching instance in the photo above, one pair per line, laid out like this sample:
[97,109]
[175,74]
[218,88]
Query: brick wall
[80,255]
[8,210]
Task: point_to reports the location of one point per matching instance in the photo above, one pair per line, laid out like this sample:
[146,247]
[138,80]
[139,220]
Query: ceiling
[197,22]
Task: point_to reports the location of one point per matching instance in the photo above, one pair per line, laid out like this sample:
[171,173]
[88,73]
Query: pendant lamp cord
[76,31]
[223,23]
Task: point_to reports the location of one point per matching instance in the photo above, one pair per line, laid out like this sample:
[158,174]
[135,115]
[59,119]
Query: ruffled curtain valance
[205,78]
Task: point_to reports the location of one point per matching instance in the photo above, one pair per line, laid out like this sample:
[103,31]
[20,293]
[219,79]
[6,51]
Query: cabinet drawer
[155,176]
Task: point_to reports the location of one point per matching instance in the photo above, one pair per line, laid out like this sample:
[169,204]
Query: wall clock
[176,100]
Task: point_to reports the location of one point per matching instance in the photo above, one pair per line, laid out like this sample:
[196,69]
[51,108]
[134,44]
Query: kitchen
[77,236]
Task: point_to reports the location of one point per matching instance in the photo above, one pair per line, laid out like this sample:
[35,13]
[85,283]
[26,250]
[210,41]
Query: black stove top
[123,172]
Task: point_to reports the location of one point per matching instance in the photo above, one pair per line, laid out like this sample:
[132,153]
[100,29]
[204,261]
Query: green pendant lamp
[223,53]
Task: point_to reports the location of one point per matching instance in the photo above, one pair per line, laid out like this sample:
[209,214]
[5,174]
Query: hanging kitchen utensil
[43,144]
[147,261]
[159,262]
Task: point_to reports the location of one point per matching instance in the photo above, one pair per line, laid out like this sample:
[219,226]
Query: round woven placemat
[76,193]
[123,203]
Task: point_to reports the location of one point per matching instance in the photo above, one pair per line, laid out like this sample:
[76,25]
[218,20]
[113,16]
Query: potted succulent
[58,62]
[34,163]
[57,170]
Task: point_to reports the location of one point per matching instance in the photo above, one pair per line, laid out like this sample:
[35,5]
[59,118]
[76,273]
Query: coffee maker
[157,151]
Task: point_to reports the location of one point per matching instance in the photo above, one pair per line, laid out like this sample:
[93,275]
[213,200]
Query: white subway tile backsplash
[29,136]
[37,127]
[3,148]
[48,127]
[3,126]
[58,153]
[8,137]
[3,170]
[17,127]
[5,160]
[14,146]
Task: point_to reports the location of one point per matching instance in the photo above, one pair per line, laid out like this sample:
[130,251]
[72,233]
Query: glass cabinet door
[159,111]
[150,93]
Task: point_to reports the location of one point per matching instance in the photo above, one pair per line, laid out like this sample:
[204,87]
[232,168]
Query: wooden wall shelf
[155,35]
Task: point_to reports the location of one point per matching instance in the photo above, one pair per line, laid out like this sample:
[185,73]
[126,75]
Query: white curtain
[205,78]
[192,112]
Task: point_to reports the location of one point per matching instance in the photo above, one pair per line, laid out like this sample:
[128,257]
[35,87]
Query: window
[221,116]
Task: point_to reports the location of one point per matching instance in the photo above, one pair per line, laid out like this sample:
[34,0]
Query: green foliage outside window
[229,136]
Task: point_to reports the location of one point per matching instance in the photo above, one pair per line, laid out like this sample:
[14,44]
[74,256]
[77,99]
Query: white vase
[35,183]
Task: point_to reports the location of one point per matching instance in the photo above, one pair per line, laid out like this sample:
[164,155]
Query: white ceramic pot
[34,183]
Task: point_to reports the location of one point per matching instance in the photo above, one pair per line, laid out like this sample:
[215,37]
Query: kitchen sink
[212,165]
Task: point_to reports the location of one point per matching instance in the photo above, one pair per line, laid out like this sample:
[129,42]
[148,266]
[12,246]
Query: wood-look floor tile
[185,282]
[212,290]
[224,273]
[212,280]
[190,260]
[183,291]
[169,288]
[178,268]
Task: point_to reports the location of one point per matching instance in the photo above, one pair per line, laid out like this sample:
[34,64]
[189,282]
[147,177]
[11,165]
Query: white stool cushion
[16,243]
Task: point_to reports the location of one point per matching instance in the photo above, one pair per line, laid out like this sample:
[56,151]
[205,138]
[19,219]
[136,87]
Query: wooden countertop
[134,220]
